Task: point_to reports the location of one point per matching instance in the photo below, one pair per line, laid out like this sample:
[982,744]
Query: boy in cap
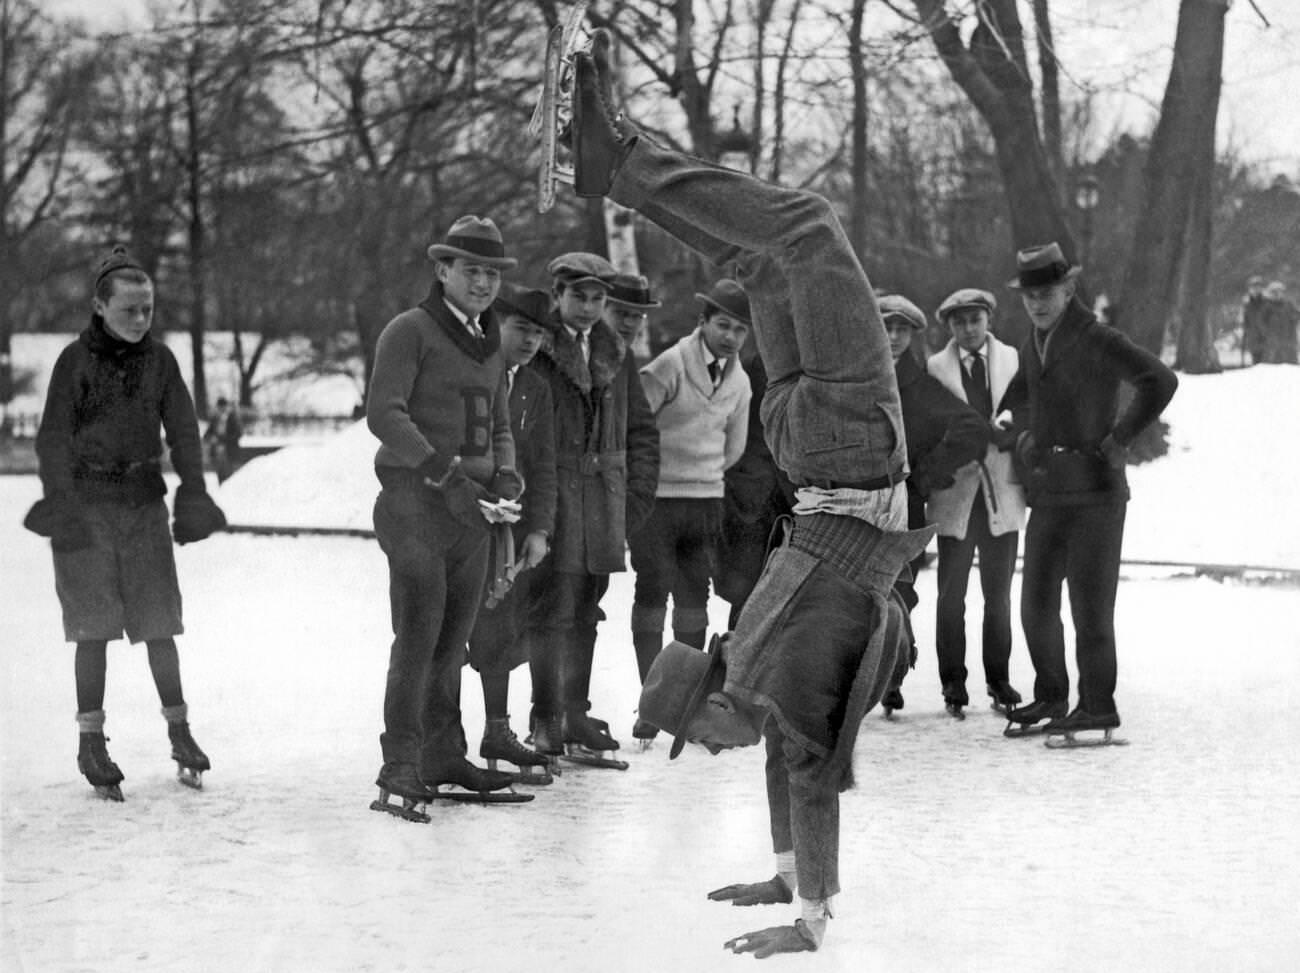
[497,645]
[1071,449]
[943,435]
[626,306]
[607,465]
[438,406]
[810,654]
[100,455]
[984,509]
[699,396]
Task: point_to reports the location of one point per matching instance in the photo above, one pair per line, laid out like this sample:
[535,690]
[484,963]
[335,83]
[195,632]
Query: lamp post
[736,148]
[1087,195]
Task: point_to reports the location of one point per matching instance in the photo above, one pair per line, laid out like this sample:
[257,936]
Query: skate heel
[408,810]
[110,792]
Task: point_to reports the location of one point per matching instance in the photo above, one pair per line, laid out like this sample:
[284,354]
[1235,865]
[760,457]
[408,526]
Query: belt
[878,483]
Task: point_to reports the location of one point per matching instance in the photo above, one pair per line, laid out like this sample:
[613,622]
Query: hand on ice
[500,511]
[799,938]
[758,893]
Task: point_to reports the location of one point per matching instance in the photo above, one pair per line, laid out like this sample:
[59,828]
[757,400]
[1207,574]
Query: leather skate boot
[400,778]
[93,760]
[1004,695]
[1079,720]
[461,773]
[955,699]
[1037,712]
[191,762]
[589,733]
[500,743]
[548,735]
[598,145]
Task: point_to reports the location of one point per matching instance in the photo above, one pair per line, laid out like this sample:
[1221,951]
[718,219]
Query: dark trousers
[563,615]
[1080,546]
[997,566]
[436,568]
[674,553]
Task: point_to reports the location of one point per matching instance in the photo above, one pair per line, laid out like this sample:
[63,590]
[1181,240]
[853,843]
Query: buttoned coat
[1003,496]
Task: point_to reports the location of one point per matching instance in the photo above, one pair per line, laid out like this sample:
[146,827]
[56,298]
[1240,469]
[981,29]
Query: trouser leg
[955,557]
[581,649]
[1093,579]
[1047,539]
[651,551]
[997,568]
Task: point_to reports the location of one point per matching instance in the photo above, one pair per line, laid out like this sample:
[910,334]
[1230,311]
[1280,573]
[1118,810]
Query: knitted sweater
[435,389]
[702,430]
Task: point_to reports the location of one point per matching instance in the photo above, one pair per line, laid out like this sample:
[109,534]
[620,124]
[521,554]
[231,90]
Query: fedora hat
[474,238]
[1040,266]
[676,685]
[898,306]
[728,297]
[966,297]
[528,303]
[632,291]
[579,266]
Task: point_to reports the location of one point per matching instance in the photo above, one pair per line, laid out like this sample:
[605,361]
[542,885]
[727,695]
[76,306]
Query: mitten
[59,519]
[1004,438]
[195,515]
[462,495]
[506,483]
[799,938]
[756,893]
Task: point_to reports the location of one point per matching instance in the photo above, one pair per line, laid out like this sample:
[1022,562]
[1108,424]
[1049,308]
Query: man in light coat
[984,510]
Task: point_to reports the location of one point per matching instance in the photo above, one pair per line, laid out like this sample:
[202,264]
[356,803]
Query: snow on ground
[961,850]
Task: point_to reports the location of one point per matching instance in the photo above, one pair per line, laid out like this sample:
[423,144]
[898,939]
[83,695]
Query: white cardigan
[1004,498]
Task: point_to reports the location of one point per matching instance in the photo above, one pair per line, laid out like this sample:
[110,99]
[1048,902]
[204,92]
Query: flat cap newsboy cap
[474,238]
[676,685]
[632,291]
[1040,266]
[728,297]
[898,306]
[527,302]
[579,266]
[966,297]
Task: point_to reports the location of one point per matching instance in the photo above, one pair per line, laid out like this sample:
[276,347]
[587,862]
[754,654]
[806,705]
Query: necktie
[584,351]
[474,330]
[977,387]
[510,380]
[715,372]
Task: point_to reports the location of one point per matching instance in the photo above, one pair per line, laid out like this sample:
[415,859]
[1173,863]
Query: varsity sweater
[702,430]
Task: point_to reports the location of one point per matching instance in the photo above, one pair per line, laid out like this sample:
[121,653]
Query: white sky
[1120,48]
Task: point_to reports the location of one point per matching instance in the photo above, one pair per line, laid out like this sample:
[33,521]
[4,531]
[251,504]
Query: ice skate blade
[646,743]
[1071,740]
[454,792]
[536,775]
[579,755]
[1015,730]
[408,810]
[109,792]
[190,777]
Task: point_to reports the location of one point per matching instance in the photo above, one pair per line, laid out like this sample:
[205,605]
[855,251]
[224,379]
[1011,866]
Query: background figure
[497,645]
[1254,323]
[222,438]
[438,406]
[1280,319]
[943,435]
[984,509]
[1071,453]
[757,494]
[100,454]
[626,308]
[699,396]
[607,466]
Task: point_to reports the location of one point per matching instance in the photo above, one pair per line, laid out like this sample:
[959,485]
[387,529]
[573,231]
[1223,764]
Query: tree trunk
[1150,288]
[1050,72]
[1196,351]
[197,239]
[858,68]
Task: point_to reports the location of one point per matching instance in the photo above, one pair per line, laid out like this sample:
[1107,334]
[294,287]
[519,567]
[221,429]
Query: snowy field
[961,850]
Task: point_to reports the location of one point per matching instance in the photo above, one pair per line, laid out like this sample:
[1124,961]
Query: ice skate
[501,743]
[587,742]
[1029,720]
[554,109]
[94,762]
[599,138]
[191,762]
[1004,696]
[891,702]
[955,700]
[1063,733]
[460,780]
[400,780]
[644,733]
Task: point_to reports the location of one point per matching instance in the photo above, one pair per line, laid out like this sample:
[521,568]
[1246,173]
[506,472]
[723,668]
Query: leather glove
[1027,451]
[61,521]
[195,516]
[462,495]
[1114,454]
[1003,438]
[758,893]
[507,483]
[798,938]
[500,511]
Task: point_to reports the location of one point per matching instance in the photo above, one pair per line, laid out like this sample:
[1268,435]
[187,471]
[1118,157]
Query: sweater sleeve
[397,363]
[54,438]
[1153,383]
[181,425]
[657,379]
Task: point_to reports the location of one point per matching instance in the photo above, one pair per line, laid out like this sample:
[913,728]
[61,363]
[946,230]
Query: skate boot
[1024,720]
[191,762]
[1063,732]
[401,780]
[500,743]
[93,761]
[891,701]
[1004,696]
[459,780]
[644,733]
[587,742]
[955,700]
[598,145]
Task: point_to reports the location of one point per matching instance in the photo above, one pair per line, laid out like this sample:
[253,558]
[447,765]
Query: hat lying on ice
[474,238]
[676,685]
[632,291]
[1040,266]
[529,303]
[898,306]
[580,266]
[728,297]
[964,298]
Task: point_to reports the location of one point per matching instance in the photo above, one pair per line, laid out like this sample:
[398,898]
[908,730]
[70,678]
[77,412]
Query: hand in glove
[799,938]
[1114,454]
[507,483]
[60,520]
[1027,451]
[195,516]
[757,893]
[1003,437]
[462,495]
[927,481]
